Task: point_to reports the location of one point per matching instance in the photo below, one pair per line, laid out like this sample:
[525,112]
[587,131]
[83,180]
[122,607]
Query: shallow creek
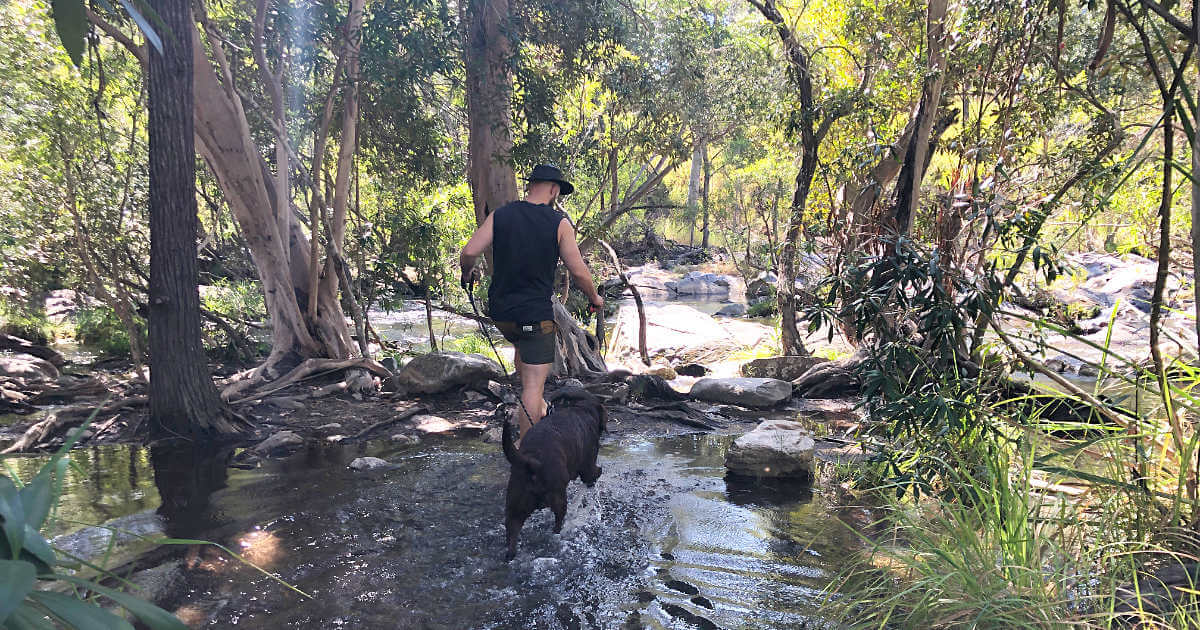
[662,541]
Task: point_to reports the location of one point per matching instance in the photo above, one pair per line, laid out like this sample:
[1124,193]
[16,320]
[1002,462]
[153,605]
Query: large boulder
[440,371]
[280,443]
[745,392]
[763,286]
[678,333]
[775,448]
[27,368]
[18,345]
[788,368]
[651,281]
[737,309]
[700,284]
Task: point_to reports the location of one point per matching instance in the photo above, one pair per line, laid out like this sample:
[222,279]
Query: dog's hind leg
[558,505]
[589,477]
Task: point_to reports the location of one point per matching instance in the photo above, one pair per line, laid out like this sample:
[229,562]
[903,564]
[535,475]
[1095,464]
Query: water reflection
[186,477]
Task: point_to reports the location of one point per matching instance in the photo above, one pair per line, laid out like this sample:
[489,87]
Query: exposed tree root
[357,380]
[578,352]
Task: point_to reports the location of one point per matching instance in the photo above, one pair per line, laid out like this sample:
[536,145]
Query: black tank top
[525,256]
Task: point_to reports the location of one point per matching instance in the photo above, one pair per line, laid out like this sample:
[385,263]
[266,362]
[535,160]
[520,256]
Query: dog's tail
[515,456]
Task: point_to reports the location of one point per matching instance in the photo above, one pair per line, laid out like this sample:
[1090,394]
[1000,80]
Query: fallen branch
[637,300]
[404,415]
[1068,386]
[66,418]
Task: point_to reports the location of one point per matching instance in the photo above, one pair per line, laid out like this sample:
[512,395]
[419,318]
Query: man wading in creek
[527,239]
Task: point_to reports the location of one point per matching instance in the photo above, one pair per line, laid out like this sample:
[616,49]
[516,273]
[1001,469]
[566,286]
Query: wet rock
[329,429]
[23,346]
[831,411]
[280,443]
[763,286]
[746,392]
[665,372]
[335,439]
[775,448]
[1088,370]
[160,583]
[682,587]
[1060,364]
[440,371]
[368,463]
[788,368]
[27,368]
[571,383]
[493,435]
[732,310]
[692,369]
[501,394]
[406,439]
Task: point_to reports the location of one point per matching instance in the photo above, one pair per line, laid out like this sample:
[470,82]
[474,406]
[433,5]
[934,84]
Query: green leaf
[144,24]
[26,617]
[36,498]
[149,614]
[16,581]
[78,614]
[70,20]
[38,547]
[13,513]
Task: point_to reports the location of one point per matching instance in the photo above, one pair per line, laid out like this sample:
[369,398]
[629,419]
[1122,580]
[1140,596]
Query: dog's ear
[603,416]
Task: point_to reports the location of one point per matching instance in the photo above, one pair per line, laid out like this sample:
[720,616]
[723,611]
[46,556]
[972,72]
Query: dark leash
[469,287]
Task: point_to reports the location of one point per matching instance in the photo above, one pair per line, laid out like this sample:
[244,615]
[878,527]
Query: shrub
[766,307]
[99,326]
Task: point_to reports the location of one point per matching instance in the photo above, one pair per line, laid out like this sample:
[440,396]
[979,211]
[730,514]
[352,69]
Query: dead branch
[404,415]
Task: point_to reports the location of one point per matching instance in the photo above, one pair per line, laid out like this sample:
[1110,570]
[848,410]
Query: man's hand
[470,277]
[597,304]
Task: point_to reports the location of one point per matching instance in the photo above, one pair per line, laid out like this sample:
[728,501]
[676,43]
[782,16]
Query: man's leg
[533,389]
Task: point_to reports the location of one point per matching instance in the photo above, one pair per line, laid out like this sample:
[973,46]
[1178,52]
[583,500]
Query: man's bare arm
[479,242]
[568,250]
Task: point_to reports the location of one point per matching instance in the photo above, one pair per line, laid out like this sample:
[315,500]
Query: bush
[474,343]
[765,307]
[100,327]
[25,323]
[239,304]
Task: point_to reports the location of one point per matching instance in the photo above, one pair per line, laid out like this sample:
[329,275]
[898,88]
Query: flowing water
[662,541]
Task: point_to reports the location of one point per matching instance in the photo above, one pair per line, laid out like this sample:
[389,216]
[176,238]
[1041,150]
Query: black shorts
[534,340]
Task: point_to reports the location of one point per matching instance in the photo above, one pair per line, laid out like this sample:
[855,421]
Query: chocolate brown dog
[561,447]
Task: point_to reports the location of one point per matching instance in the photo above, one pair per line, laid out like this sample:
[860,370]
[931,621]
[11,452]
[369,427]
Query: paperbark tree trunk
[489,109]
[280,249]
[183,399]
[704,199]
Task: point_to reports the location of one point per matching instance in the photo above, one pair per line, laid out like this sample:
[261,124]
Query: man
[527,238]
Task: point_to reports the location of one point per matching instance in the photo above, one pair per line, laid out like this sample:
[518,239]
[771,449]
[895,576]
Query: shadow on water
[664,540]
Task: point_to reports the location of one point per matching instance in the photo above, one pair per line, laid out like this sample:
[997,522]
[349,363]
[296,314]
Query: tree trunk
[489,93]
[704,198]
[908,188]
[282,259]
[693,198]
[183,399]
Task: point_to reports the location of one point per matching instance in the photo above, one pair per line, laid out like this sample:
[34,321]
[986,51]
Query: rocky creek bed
[664,540]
